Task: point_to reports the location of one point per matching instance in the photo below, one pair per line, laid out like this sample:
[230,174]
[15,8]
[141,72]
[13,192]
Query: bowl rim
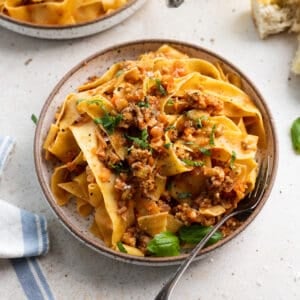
[71,26]
[151,261]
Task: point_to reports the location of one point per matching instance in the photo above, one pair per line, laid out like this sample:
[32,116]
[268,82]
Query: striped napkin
[22,233]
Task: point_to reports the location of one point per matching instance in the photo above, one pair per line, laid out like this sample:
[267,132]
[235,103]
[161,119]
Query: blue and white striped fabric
[32,279]
[22,234]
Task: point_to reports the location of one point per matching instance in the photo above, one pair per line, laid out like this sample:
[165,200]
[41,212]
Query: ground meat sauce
[175,140]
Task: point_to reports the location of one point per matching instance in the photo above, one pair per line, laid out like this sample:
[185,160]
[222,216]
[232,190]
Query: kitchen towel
[22,233]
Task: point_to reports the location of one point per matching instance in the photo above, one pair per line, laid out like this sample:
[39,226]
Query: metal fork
[246,206]
[174,3]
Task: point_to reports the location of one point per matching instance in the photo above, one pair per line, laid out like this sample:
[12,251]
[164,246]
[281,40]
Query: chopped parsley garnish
[144,103]
[167,145]
[199,121]
[169,185]
[184,195]
[109,122]
[212,135]
[160,87]
[96,101]
[34,119]
[93,101]
[170,127]
[121,247]
[120,167]
[141,142]
[79,100]
[192,163]
[119,73]
[232,159]
[170,102]
[205,151]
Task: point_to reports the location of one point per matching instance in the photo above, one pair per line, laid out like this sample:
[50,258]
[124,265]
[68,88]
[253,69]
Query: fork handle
[167,289]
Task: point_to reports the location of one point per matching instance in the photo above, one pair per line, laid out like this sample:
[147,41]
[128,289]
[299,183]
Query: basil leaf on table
[295,133]
[164,244]
[195,233]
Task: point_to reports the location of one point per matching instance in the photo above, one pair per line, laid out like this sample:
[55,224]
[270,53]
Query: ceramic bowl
[72,31]
[97,65]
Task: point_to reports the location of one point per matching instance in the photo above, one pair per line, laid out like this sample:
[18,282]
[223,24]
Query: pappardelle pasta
[58,12]
[156,150]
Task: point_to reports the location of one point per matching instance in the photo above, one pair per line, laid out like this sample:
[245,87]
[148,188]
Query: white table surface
[261,263]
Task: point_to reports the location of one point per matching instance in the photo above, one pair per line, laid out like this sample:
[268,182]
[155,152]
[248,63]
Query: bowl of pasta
[142,147]
[67,19]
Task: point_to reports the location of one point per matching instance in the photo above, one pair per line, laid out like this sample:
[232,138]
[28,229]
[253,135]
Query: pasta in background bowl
[64,19]
[160,140]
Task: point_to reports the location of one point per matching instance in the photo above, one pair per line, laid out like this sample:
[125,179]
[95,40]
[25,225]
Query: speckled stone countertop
[261,263]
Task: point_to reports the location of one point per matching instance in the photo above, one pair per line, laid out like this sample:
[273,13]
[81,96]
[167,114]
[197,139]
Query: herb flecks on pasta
[59,12]
[153,148]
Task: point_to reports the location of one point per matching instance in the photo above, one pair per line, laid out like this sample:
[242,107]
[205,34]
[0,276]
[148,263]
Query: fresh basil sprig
[195,233]
[164,244]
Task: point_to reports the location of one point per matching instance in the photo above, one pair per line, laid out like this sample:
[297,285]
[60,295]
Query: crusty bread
[271,16]
[274,16]
[296,62]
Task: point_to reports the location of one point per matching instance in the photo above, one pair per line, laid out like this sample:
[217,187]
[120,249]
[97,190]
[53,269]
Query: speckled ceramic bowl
[97,65]
[72,31]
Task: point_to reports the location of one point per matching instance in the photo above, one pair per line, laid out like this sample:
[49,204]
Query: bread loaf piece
[296,62]
[274,16]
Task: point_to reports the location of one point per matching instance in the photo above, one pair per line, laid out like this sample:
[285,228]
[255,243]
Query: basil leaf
[295,133]
[195,233]
[164,244]
[121,247]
